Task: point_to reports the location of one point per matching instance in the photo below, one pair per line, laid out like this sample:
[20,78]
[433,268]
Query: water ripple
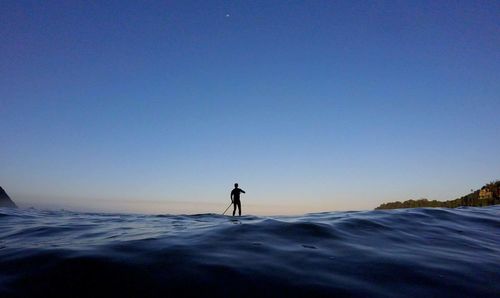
[408,252]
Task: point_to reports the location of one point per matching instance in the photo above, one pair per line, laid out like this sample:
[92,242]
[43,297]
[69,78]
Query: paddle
[227,208]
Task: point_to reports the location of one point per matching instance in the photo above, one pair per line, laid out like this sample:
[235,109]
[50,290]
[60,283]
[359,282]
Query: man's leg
[234,210]
[239,207]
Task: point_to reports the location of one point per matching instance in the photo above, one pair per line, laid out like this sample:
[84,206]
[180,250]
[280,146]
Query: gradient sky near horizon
[160,106]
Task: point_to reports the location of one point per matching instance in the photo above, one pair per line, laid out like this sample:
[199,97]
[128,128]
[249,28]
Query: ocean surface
[395,253]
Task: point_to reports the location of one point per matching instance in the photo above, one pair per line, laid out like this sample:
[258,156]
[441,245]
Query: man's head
[236,185]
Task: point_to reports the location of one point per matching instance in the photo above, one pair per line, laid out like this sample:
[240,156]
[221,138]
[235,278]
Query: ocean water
[396,253]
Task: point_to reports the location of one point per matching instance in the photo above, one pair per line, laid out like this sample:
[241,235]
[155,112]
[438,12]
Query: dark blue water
[397,253]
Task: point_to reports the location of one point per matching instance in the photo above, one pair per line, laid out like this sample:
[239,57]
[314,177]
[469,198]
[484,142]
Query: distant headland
[5,200]
[489,194]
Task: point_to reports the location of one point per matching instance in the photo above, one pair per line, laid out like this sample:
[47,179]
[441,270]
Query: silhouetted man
[235,198]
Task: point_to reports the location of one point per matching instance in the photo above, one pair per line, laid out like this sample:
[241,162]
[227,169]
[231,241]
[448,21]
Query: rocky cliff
[5,200]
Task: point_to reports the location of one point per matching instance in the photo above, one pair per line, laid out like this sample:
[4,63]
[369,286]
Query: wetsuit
[235,198]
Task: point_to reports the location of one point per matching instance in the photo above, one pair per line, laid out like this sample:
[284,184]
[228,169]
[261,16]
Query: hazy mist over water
[250,205]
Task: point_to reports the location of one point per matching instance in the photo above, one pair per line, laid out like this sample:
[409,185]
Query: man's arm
[242,191]
[231,196]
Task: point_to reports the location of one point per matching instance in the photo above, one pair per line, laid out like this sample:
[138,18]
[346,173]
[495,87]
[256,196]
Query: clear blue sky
[161,106]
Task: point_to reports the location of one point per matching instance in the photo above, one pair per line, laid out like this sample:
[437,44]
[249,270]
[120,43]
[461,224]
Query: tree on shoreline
[489,194]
